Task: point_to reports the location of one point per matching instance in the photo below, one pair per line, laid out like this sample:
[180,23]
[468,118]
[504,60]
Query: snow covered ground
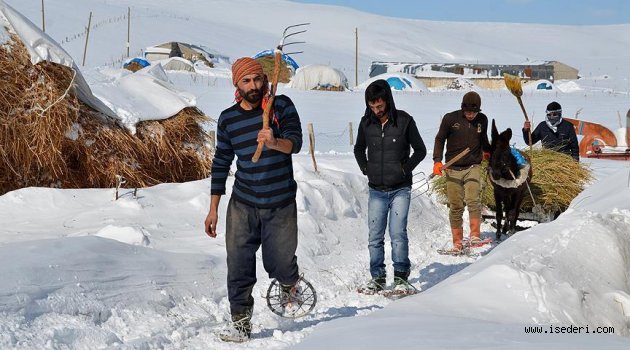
[83,271]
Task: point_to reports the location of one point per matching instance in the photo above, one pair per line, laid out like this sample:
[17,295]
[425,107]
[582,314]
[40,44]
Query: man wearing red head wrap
[262,209]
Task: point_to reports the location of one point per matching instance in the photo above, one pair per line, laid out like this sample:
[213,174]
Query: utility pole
[128,29]
[356,56]
[43,18]
[87,36]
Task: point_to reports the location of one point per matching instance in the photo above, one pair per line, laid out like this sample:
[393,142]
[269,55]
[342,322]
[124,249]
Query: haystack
[50,138]
[268,64]
[557,179]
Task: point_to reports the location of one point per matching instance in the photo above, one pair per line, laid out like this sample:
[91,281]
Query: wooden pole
[311,137]
[43,18]
[128,29]
[87,36]
[356,56]
[350,132]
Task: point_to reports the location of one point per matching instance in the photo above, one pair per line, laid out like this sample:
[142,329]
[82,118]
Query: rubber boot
[475,228]
[458,235]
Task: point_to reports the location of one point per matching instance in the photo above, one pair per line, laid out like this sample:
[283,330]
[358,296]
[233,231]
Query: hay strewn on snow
[557,179]
[48,139]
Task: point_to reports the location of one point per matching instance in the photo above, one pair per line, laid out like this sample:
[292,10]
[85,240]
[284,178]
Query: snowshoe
[291,301]
[402,288]
[374,286]
[476,242]
[238,330]
[464,251]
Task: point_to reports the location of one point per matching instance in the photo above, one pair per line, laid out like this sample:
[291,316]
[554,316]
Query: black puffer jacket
[388,163]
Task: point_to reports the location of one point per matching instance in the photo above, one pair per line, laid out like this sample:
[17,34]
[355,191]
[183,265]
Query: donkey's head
[502,163]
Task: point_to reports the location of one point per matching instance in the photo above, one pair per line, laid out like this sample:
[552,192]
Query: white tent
[177,64]
[318,77]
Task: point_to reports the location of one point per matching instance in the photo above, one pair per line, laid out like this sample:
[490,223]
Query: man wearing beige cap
[262,209]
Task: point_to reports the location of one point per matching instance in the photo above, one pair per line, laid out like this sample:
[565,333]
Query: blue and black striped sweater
[268,183]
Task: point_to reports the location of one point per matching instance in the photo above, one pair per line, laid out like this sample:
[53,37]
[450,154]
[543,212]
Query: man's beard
[253,96]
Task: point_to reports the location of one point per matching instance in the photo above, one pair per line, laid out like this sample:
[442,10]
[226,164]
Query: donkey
[509,180]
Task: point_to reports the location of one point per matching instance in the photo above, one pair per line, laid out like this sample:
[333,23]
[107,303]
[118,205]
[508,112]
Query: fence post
[212,135]
[128,29]
[350,133]
[311,137]
[86,38]
[43,18]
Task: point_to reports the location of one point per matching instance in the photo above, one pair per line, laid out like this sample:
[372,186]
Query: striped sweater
[268,183]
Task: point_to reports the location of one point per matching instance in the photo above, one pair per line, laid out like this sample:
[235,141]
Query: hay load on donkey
[55,132]
[556,180]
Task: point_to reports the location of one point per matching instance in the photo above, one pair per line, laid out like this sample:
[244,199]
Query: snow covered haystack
[319,77]
[51,134]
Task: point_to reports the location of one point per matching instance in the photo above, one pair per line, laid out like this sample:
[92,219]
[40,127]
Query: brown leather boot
[475,228]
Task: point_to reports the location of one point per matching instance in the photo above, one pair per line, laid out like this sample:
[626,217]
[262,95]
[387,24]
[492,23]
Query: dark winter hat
[554,107]
[471,102]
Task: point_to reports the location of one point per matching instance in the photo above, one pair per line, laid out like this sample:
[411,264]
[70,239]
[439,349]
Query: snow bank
[552,274]
[568,86]
[144,95]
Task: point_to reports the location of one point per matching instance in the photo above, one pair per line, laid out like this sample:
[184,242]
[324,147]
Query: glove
[486,155]
[437,168]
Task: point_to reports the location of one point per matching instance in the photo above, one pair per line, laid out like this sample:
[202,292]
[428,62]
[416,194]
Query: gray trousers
[248,228]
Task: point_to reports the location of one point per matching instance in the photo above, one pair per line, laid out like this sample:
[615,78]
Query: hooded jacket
[388,163]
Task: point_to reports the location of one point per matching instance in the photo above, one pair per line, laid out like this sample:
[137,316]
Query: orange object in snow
[598,141]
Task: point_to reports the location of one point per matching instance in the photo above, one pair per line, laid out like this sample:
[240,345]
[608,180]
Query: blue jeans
[394,204]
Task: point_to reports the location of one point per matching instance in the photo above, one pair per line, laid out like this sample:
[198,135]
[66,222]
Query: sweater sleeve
[222,161]
[289,122]
[440,139]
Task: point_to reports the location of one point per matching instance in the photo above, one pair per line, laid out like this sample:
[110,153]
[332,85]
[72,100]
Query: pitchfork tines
[288,32]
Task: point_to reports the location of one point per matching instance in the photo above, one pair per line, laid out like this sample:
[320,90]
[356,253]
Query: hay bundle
[557,179]
[268,63]
[49,138]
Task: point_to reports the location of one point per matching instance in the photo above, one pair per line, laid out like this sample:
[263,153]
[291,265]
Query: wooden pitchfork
[274,79]
[513,84]
[426,180]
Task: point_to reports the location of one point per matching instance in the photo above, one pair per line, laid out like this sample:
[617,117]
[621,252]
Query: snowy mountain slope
[222,25]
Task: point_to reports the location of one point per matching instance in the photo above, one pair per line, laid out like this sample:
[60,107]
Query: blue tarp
[140,61]
[398,83]
[285,58]
[543,86]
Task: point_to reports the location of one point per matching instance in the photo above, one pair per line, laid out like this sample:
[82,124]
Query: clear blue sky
[516,11]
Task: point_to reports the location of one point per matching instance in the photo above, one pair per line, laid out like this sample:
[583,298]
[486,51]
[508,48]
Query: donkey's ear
[508,134]
[494,132]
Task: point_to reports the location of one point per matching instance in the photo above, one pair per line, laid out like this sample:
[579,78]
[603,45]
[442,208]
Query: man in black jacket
[461,129]
[387,134]
[554,133]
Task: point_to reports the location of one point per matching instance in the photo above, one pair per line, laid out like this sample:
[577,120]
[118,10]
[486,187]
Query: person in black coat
[555,133]
[387,134]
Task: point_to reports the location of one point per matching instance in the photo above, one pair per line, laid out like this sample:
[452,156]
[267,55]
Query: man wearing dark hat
[384,141]
[461,129]
[555,133]
[262,209]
